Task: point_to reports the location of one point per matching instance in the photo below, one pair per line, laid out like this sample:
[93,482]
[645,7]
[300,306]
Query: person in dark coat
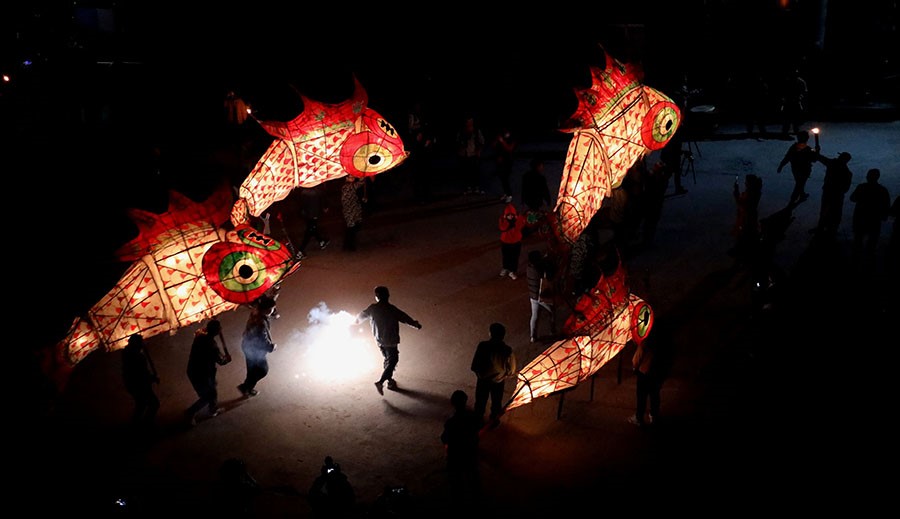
[873,204]
[801,156]
[493,363]
[460,439]
[312,208]
[651,363]
[139,375]
[202,365]
[838,178]
[256,344]
[386,319]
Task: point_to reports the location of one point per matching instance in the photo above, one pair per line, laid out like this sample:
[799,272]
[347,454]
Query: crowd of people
[627,223]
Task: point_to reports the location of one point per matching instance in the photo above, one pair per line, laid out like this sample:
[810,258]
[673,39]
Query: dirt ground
[741,428]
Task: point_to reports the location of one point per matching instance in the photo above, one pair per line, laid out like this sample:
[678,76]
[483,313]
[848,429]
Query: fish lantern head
[374,147]
[661,121]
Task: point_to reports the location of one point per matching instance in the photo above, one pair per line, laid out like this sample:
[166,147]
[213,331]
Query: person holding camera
[202,367]
[331,495]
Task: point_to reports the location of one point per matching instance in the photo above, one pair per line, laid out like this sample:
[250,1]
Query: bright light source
[334,350]
[815,131]
[5,78]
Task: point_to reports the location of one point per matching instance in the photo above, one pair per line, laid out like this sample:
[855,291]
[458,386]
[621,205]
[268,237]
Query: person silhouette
[651,363]
[386,319]
[469,145]
[835,185]
[139,374]
[873,205]
[257,343]
[801,156]
[331,495]
[504,145]
[202,365]
[312,207]
[540,291]
[493,363]
[793,102]
[460,438]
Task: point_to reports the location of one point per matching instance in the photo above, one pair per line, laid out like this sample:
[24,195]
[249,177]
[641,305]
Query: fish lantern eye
[244,267]
[362,158]
[642,322]
[376,148]
[660,125]
[245,271]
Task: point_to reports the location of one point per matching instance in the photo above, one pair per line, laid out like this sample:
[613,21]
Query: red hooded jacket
[511,225]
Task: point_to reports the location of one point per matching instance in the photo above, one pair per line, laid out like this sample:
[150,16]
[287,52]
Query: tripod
[687,162]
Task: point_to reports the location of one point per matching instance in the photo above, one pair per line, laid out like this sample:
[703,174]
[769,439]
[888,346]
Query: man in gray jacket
[386,319]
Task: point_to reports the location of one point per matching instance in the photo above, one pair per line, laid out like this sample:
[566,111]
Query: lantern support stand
[687,160]
[562,399]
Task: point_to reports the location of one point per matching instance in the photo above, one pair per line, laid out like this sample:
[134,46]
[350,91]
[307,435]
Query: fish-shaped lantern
[185,268]
[617,121]
[604,320]
[324,142]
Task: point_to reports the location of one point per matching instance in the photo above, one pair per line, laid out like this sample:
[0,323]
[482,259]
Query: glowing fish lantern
[618,120]
[603,322]
[324,142]
[186,268]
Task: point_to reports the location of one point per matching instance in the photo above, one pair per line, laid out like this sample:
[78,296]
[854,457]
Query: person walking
[351,206]
[540,291]
[139,374]
[312,208]
[511,225]
[838,178]
[873,205]
[460,438]
[493,363]
[202,365]
[801,156]
[386,319]
[257,344]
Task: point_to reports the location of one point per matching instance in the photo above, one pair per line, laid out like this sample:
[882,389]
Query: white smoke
[334,350]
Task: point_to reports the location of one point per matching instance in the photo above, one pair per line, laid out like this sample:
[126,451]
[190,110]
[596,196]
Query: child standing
[511,225]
